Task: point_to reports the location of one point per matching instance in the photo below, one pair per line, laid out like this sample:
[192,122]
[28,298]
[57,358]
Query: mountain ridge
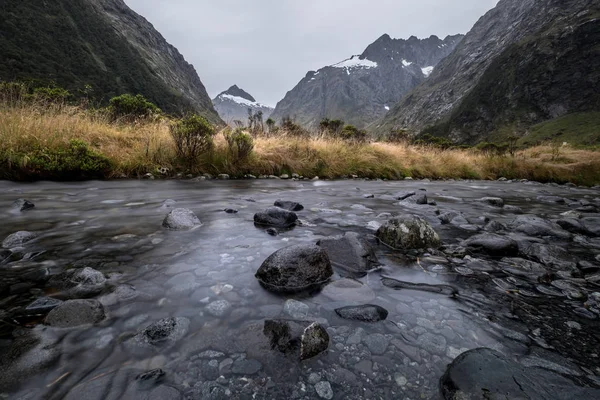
[234,104]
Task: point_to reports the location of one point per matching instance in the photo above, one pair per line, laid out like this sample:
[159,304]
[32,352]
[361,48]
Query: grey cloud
[267,46]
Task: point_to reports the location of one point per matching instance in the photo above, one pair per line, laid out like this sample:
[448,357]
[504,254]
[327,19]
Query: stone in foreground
[163,333]
[486,374]
[305,339]
[350,253]
[23,204]
[18,239]
[492,244]
[365,313]
[408,232]
[181,219]
[295,268]
[79,282]
[276,217]
[289,205]
[74,313]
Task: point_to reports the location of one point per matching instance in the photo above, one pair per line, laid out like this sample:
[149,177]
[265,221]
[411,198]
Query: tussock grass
[135,149]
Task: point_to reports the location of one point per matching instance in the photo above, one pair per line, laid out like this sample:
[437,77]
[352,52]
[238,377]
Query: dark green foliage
[193,136]
[398,136]
[240,144]
[76,161]
[434,141]
[492,149]
[271,125]
[353,134]
[49,94]
[68,43]
[293,129]
[132,107]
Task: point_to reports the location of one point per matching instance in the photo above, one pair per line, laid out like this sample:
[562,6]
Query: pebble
[324,390]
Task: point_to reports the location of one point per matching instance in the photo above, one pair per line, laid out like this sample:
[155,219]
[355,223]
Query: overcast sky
[267,46]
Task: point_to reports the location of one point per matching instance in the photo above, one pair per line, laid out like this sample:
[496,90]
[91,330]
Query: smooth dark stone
[74,313]
[231,211]
[365,313]
[350,252]
[289,205]
[43,305]
[23,204]
[492,244]
[492,201]
[276,217]
[295,268]
[305,339]
[181,219]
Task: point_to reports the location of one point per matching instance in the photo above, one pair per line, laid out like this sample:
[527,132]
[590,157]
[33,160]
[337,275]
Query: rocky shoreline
[301,289]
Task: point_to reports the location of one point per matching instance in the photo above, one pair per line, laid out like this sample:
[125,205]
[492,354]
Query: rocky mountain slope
[101,43]
[524,62]
[362,89]
[234,103]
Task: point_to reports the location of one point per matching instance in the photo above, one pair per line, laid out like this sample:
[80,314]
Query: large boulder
[492,244]
[350,253]
[289,205]
[181,219]
[536,226]
[18,239]
[275,216]
[79,282]
[295,268]
[73,313]
[408,232]
[486,374]
[304,339]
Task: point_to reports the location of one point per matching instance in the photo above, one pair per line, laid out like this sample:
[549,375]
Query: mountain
[524,62]
[101,43]
[234,103]
[361,89]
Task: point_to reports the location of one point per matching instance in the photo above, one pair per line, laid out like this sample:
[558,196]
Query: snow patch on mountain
[355,62]
[427,70]
[242,101]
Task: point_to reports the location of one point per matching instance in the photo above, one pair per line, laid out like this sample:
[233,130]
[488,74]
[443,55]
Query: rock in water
[350,253]
[366,313]
[23,204]
[305,339]
[275,216]
[408,232]
[73,313]
[289,205]
[163,333]
[80,282]
[486,374]
[492,244]
[18,239]
[492,201]
[295,268]
[181,219]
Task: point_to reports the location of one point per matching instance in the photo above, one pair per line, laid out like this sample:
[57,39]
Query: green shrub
[293,129]
[131,107]
[239,143]
[76,161]
[434,141]
[492,149]
[353,134]
[193,136]
[51,94]
[13,92]
[398,136]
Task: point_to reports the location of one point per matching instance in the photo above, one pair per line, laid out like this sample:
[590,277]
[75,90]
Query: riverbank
[68,143]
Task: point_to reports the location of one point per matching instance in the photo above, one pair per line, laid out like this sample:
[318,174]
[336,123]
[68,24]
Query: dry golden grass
[140,148]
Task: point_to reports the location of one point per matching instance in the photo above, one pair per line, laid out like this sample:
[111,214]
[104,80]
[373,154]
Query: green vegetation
[131,107]
[579,130]
[193,136]
[240,144]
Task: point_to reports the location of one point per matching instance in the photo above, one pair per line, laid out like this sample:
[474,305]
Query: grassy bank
[70,143]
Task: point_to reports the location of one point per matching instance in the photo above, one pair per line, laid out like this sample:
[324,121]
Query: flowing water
[207,276]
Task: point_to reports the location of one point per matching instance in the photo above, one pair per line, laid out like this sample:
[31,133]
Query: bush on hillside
[434,141]
[398,136]
[291,128]
[129,107]
[353,134]
[50,95]
[240,144]
[193,136]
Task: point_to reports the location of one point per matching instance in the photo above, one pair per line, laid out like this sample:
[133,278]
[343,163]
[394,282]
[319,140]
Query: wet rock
[79,282]
[403,195]
[592,224]
[324,390]
[295,309]
[272,231]
[276,217]
[42,305]
[218,308]
[447,217]
[434,344]
[74,313]
[484,373]
[164,392]
[550,255]
[408,232]
[295,268]
[246,367]
[536,226]
[494,226]
[492,244]
[573,225]
[366,313]
[492,201]
[302,338]
[18,239]
[23,205]
[350,253]
[181,219]
[231,211]
[223,176]
[289,205]
[551,199]
[376,343]
[163,333]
